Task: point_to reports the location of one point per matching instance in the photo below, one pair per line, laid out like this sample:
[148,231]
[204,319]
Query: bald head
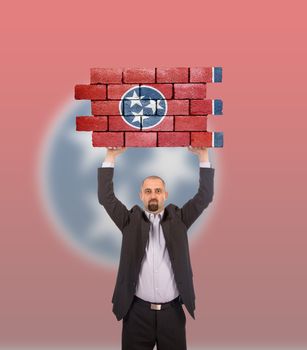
[152,177]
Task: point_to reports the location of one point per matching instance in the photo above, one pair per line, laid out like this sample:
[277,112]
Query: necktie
[155,228]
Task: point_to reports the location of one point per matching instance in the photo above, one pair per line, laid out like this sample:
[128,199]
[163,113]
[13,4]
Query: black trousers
[143,328]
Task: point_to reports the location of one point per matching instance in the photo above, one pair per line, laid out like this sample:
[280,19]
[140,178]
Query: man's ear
[166,195]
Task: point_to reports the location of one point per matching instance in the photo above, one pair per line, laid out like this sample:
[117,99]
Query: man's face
[153,195]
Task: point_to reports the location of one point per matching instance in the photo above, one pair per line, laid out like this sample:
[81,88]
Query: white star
[135,99]
[137,116]
[152,105]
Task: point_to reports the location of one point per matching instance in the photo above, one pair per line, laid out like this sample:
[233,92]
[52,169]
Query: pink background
[250,266]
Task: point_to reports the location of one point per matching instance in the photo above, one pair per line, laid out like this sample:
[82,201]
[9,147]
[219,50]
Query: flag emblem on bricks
[151,107]
[143,107]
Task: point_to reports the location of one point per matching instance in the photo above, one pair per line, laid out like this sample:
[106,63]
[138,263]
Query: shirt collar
[148,213]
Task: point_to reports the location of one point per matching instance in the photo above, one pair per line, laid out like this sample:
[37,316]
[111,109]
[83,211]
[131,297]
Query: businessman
[155,276]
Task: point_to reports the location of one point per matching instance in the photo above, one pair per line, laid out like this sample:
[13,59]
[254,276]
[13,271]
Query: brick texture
[167,124]
[166,89]
[117,123]
[178,107]
[199,107]
[200,74]
[173,139]
[150,107]
[105,107]
[190,91]
[90,92]
[106,75]
[107,139]
[173,75]
[141,139]
[139,75]
[199,139]
[190,123]
[116,91]
[84,123]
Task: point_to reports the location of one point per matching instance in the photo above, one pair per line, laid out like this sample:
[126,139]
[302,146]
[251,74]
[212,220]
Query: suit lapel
[165,223]
[145,226]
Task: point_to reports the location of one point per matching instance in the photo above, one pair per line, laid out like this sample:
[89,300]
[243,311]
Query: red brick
[173,75]
[166,89]
[201,74]
[106,75]
[167,124]
[191,91]
[116,91]
[90,92]
[201,139]
[139,75]
[105,107]
[178,107]
[173,139]
[84,123]
[140,139]
[116,123]
[107,139]
[201,107]
[189,123]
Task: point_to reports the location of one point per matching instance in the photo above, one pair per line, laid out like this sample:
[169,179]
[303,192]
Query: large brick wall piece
[151,107]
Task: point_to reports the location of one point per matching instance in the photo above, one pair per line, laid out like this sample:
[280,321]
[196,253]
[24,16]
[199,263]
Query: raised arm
[114,207]
[192,209]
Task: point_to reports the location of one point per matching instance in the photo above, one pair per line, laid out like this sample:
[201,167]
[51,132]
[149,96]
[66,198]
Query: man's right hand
[113,152]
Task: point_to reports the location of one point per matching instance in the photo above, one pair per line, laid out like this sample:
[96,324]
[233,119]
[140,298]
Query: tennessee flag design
[150,107]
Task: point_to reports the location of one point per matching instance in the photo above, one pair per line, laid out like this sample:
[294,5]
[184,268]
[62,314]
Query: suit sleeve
[192,209]
[114,207]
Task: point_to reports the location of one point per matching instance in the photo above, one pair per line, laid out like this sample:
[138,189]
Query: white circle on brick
[143,107]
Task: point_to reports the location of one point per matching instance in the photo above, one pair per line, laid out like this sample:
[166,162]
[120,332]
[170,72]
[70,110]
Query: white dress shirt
[156,282]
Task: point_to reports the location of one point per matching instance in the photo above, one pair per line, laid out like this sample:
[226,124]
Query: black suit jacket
[135,225]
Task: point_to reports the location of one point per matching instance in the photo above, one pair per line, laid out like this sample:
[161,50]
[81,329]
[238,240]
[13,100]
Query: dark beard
[153,206]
